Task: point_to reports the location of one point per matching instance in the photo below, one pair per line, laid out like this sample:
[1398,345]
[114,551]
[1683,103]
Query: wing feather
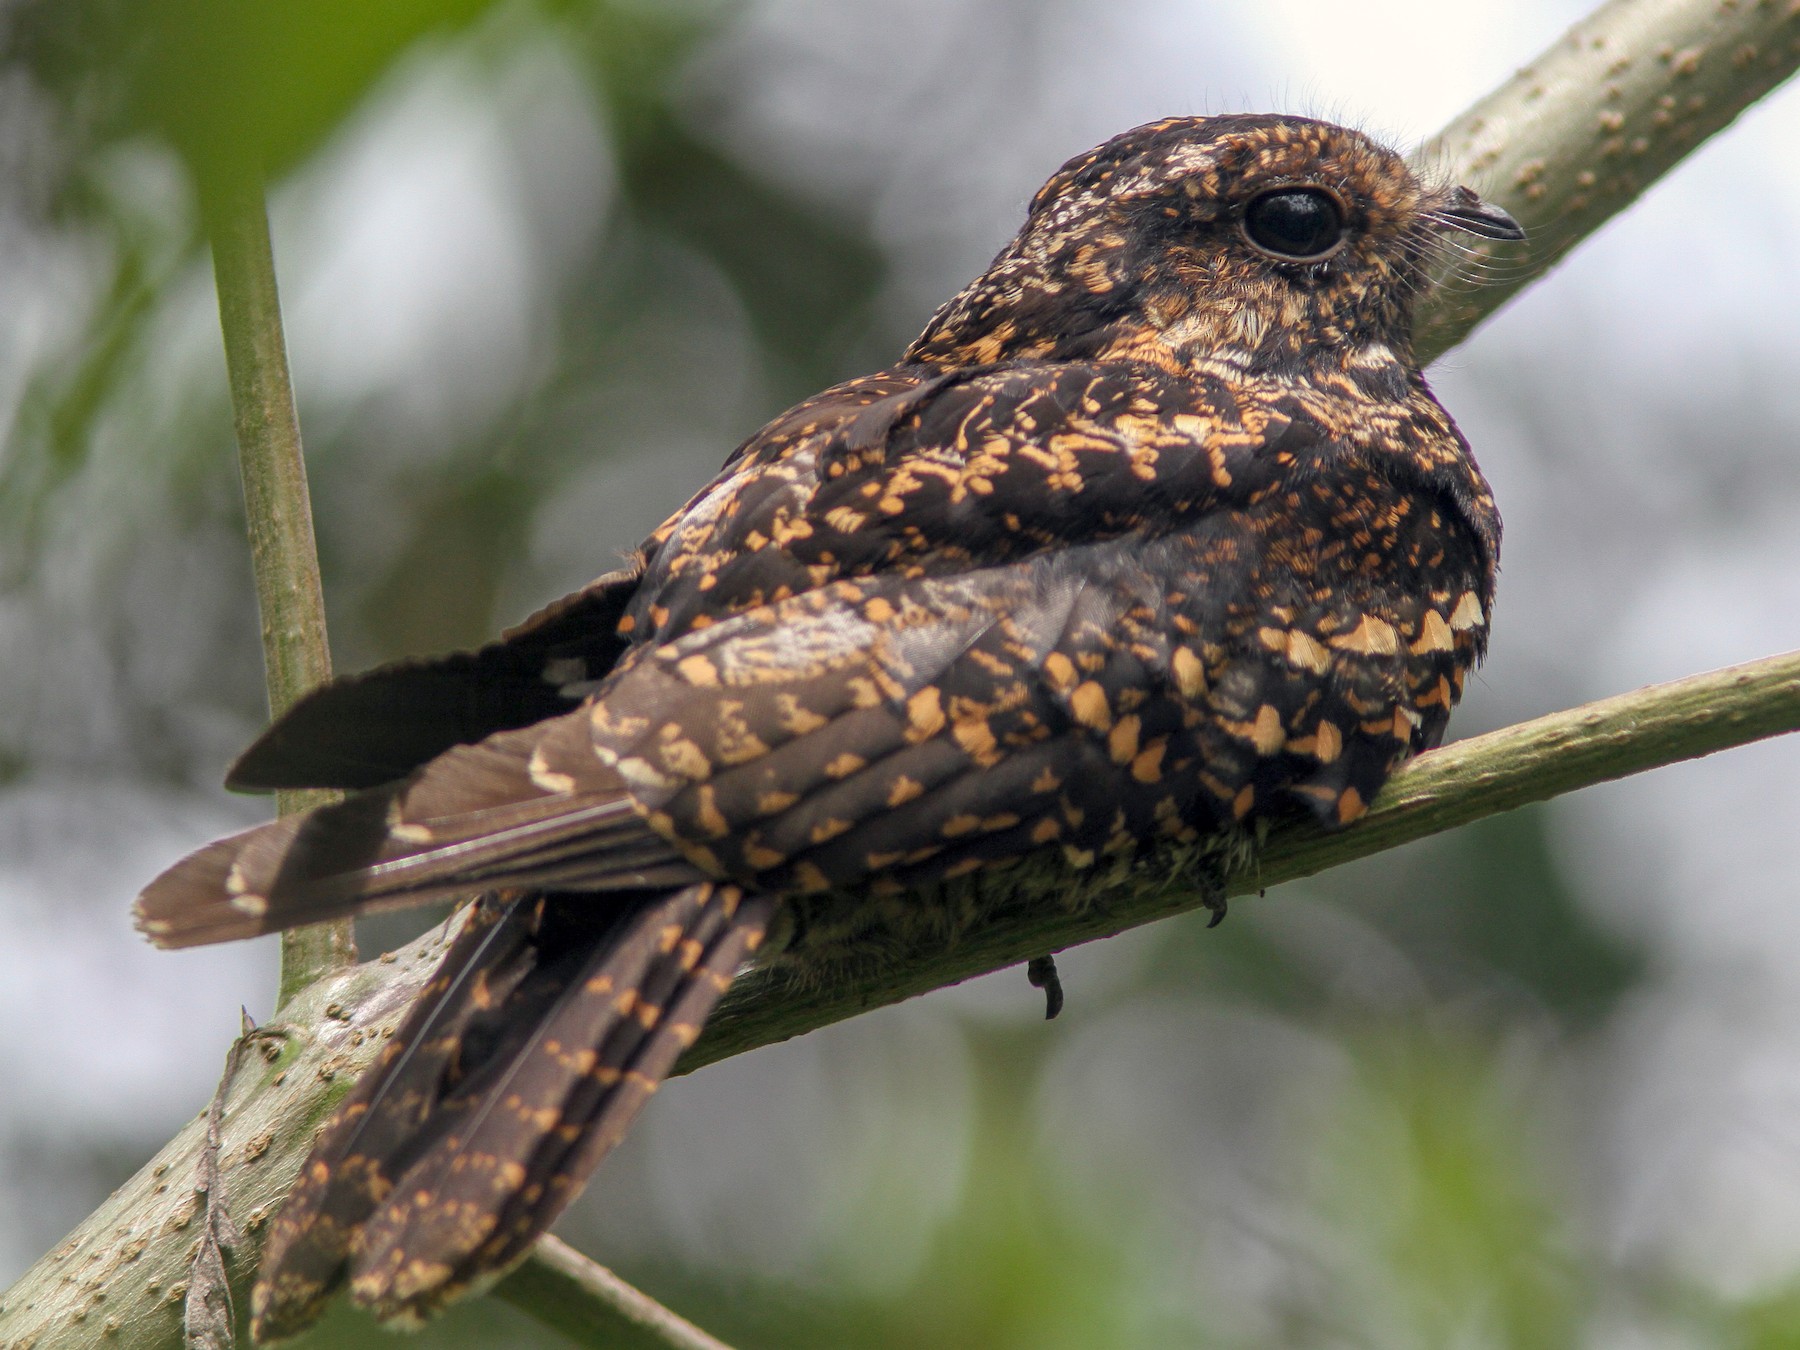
[379,725]
[473,819]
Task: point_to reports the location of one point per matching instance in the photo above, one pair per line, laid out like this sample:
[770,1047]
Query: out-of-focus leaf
[1493,907]
[230,84]
[439,592]
[1768,1322]
[802,276]
[1009,1268]
[1435,1186]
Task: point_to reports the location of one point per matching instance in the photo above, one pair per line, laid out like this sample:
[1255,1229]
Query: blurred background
[1536,1083]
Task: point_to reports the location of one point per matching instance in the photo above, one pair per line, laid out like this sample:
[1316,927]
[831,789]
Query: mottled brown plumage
[1154,533]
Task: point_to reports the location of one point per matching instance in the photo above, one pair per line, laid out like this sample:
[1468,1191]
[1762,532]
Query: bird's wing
[982,466]
[379,725]
[909,471]
[927,716]
[1084,699]
[937,473]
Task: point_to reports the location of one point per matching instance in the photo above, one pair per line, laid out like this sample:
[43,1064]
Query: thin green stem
[592,1306]
[277,510]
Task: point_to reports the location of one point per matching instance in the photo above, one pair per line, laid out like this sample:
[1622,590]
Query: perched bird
[1154,533]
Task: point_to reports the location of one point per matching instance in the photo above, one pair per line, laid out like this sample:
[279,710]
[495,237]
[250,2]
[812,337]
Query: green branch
[1578,135]
[591,1306]
[1464,782]
[277,511]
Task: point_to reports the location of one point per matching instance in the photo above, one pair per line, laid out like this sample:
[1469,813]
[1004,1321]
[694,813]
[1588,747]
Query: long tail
[474,819]
[549,1024]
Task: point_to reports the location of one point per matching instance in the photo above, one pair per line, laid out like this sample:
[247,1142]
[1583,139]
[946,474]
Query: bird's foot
[1041,971]
[1210,879]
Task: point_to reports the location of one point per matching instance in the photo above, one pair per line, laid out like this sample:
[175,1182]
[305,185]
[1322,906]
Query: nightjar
[1155,532]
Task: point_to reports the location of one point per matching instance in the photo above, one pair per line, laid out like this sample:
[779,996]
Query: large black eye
[1297,224]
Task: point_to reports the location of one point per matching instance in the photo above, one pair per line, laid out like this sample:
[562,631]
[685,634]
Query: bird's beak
[1466,212]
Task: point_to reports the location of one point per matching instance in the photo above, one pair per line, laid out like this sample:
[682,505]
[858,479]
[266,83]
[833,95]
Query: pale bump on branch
[1577,135]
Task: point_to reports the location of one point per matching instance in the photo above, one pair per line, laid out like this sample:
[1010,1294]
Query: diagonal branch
[1579,134]
[566,1290]
[1464,782]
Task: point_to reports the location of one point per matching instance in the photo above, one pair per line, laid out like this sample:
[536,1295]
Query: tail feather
[392,1113]
[533,808]
[361,856]
[364,730]
[685,1012]
[522,1064]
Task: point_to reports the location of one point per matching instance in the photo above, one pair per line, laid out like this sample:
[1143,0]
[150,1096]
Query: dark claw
[1212,893]
[1041,971]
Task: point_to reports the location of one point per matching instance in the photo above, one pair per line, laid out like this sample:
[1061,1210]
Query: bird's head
[1264,241]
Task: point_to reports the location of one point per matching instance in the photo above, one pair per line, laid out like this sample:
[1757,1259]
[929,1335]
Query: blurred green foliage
[228,85]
